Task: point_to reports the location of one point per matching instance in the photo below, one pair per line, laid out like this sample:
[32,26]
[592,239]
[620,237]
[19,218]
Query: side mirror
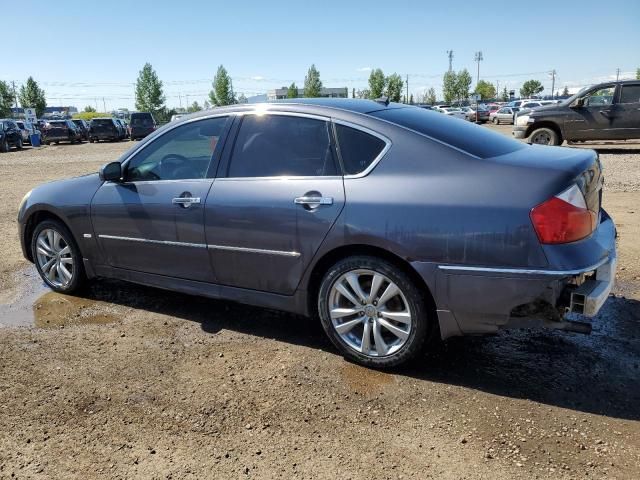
[579,103]
[111,172]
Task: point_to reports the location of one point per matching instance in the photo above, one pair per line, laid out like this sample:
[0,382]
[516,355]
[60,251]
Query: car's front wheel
[19,144]
[4,146]
[496,121]
[544,136]
[373,312]
[57,257]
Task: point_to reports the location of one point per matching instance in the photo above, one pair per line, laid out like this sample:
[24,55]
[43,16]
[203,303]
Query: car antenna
[383,100]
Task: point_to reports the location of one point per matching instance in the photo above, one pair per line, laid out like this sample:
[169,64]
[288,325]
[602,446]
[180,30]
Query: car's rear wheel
[544,136]
[19,144]
[57,257]
[373,312]
[4,147]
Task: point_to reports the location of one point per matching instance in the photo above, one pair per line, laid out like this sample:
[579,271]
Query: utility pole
[180,101]
[553,83]
[450,55]
[497,89]
[617,74]
[104,105]
[478,58]
[95,100]
[407,88]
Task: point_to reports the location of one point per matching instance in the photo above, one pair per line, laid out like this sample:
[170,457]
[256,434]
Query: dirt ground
[132,382]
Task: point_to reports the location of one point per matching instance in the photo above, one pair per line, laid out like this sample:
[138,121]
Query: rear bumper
[481,300]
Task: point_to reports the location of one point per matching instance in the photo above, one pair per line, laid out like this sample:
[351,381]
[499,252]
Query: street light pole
[478,58]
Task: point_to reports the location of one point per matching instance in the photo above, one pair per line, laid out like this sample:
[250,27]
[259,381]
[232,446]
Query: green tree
[88,116]
[485,89]
[449,86]
[530,87]
[411,102]
[89,109]
[463,84]
[353,93]
[504,96]
[222,92]
[312,83]
[565,92]
[149,94]
[6,99]
[241,98]
[638,74]
[292,91]
[394,86]
[377,83]
[430,96]
[31,95]
[194,107]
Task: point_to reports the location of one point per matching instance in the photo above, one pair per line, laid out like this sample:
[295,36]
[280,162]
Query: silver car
[503,115]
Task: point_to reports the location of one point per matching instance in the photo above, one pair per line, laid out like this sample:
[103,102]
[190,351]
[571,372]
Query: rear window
[102,122]
[142,120]
[473,139]
[358,149]
[58,124]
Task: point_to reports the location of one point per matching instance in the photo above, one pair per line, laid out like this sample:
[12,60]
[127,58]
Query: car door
[152,221]
[593,119]
[626,112]
[275,198]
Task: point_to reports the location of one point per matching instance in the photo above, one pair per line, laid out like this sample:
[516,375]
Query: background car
[10,135]
[104,128]
[57,131]
[503,115]
[122,129]
[482,115]
[288,226]
[83,126]
[452,112]
[141,124]
[27,129]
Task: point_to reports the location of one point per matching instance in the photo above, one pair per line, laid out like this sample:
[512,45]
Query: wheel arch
[546,124]
[331,257]
[36,218]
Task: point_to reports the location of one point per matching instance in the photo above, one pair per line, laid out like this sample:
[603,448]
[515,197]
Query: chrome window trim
[268,111]
[201,245]
[254,250]
[374,163]
[524,271]
[277,179]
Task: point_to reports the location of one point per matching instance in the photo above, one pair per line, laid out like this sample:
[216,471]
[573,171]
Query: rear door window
[282,146]
[358,149]
[630,94]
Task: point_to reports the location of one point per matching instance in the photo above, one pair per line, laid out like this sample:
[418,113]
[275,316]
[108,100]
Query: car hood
[546,109]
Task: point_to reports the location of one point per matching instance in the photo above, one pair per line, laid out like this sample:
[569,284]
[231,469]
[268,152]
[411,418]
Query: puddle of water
[36,305]
[365,380]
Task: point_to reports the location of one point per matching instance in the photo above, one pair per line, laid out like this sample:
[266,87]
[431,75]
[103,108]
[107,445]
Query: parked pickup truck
[607,111]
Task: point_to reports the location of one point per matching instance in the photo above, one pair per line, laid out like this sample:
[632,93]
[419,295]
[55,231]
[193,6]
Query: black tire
[19,144]
[91,140]
[496,121]
[422,321]
[4,148]
[78,279]
[544,136]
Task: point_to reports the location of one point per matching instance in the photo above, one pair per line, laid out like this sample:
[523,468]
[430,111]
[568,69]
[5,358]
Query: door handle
[185,202]
[605,112]
[313,201]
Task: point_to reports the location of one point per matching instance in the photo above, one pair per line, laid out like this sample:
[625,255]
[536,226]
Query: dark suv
[141,124]
[10,135]
[58,131]
[104,129]
[607,111]
[83,126]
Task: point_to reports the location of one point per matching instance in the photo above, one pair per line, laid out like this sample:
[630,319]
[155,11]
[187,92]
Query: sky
[90,52]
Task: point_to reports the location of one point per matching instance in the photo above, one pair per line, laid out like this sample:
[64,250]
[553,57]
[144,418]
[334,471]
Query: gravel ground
[132,382]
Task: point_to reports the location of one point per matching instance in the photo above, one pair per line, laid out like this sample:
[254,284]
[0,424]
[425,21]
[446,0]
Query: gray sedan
[393,225]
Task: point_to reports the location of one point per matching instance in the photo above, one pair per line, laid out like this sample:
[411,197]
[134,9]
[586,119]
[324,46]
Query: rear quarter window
[358,149]
[476,140]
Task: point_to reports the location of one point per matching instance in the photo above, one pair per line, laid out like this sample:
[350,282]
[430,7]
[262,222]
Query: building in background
[280,93]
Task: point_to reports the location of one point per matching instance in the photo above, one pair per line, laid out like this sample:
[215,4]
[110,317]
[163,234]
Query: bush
[90,115]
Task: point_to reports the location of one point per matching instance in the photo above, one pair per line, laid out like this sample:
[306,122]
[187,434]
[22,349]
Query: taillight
[564,218]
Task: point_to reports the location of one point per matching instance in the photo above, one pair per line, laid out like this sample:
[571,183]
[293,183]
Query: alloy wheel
[370,313]
[54,258]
